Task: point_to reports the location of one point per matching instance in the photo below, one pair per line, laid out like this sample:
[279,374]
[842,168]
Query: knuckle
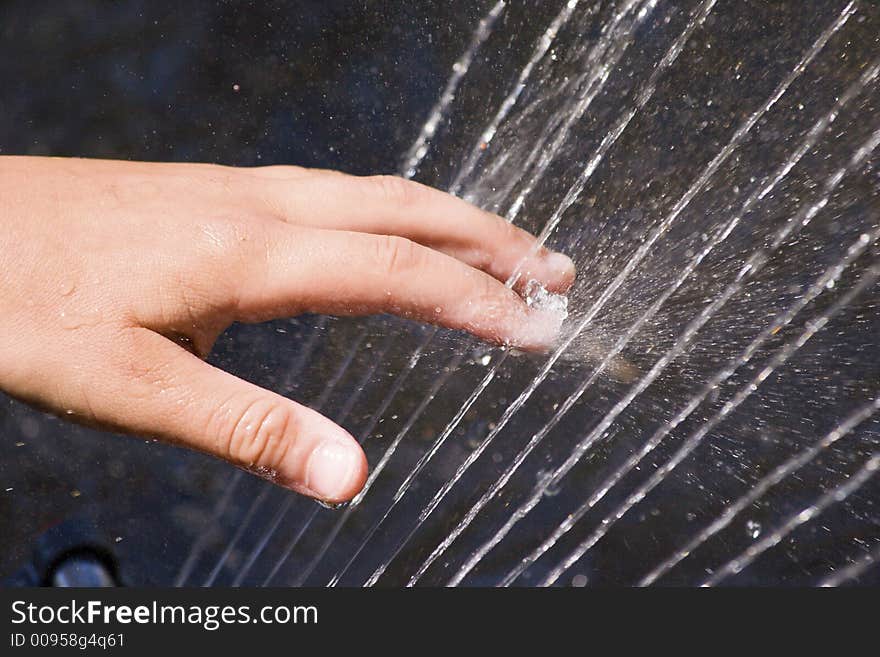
[507,232]
[481,258]
[397,255]
[143,373]
[511,232]
[397,191]
[123,353]
[226,236]
[490,293]
[228,250]
[256,435]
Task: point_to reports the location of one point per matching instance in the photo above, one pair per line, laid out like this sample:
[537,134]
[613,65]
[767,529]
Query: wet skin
[118,277]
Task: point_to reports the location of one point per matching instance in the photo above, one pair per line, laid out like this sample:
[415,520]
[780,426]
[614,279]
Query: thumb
[173,395]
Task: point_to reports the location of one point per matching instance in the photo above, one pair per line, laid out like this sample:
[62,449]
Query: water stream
[712,169]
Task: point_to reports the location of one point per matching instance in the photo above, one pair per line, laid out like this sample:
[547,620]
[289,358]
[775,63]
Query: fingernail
[560,263]
[330,469]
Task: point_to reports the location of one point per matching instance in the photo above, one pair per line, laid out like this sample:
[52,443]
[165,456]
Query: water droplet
[544,478]
[753,529]
[332,506]
[537,296]
[74,320]
[579,581]
[262,471]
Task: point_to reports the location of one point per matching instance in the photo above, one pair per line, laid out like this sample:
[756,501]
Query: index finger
[388,205]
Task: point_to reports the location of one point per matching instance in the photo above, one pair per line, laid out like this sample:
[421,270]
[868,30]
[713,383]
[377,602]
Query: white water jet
[750,269]
[581,65]
[834,496]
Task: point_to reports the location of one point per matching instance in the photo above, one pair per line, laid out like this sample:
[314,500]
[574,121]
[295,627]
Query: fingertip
[358,475]
[514,324]
[539,331]
[322,461]
[336,470]
[561,270]
[555,271]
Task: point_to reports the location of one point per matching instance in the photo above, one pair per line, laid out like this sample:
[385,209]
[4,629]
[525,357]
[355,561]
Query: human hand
[118,277]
